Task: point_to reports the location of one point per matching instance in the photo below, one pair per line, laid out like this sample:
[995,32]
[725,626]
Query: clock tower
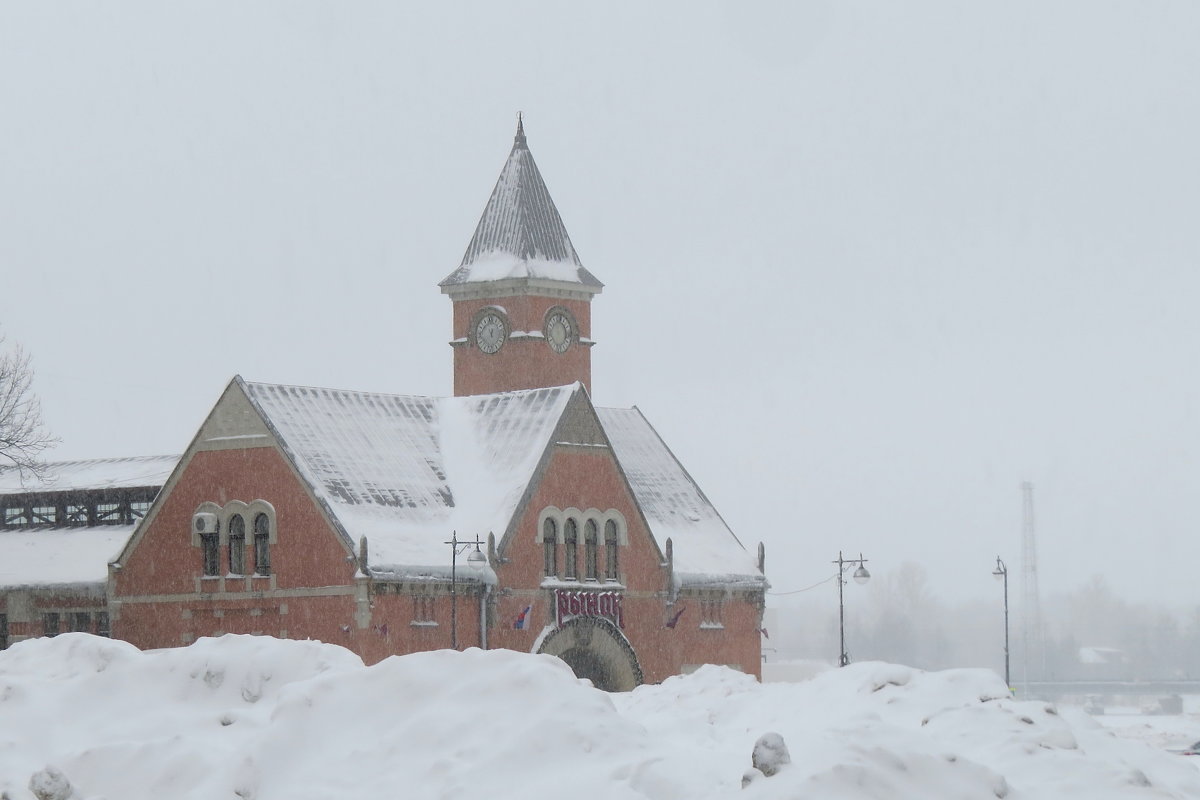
[521,296]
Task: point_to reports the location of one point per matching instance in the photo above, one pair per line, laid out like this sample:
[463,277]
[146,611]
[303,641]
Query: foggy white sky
[869,265]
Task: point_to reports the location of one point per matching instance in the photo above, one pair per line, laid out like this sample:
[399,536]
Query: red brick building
[319,513]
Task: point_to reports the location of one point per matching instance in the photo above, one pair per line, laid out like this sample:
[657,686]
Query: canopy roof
[59,557]
[97,473]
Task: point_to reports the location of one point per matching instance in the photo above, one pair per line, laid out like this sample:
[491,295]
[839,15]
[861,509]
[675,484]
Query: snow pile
[254,717]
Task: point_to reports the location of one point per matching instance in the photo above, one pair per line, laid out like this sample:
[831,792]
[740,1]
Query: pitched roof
[406,471]
[97,473]
[520,234]
[705,549]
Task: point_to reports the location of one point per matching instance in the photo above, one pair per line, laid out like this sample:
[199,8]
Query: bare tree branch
[23,437]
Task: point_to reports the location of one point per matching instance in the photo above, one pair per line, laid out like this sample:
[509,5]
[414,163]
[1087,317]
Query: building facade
[512,514]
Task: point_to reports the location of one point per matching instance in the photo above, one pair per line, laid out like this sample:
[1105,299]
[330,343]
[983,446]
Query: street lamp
[860,576]
[475,562]
[1001,574]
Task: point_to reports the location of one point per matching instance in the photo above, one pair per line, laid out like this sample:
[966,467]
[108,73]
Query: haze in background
[869,265]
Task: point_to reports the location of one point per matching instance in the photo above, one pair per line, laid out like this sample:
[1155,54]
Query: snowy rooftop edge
[95,473]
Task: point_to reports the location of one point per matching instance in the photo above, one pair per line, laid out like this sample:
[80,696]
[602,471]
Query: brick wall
[520,363]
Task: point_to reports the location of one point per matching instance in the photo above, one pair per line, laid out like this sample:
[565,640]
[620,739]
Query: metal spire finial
[520,137]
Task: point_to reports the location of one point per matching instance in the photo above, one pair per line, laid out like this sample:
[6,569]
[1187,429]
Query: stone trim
[560,516]
[316,591]
[520,287]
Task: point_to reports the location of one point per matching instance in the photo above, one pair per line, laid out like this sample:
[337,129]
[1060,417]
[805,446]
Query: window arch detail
[237,544]
[239,526]
[603,534]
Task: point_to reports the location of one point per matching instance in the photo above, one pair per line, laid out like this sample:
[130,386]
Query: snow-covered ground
[254,717]
[1164,732]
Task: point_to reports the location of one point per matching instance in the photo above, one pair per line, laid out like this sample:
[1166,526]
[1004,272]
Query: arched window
[571,543]
[262,545]
[590,536]
[550,548]
[610,550]
[210,549]
[237,545]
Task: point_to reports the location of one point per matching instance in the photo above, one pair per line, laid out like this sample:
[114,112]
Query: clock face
[558,331]
[489,332]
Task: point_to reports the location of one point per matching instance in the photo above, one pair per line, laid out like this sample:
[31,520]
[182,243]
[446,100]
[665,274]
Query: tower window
[550,548]
[237,545]
[262,545]
[590,536]
[610,550]
[571,546]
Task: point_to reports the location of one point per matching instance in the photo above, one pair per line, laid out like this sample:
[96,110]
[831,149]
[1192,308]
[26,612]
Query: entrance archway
[595,649]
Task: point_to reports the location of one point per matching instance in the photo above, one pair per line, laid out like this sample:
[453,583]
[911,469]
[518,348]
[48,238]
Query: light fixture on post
[1001,574]
[860,576]
[475,561]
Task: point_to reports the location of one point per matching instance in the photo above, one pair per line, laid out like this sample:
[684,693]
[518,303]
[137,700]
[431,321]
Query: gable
[584,484]
[579,425]
[567,477]
[233,423]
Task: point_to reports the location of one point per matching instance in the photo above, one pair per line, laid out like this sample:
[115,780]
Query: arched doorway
[595,649]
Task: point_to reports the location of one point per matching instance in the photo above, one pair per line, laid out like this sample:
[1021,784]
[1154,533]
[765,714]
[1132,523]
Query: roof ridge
[105,460]
[434,397]
[312,388]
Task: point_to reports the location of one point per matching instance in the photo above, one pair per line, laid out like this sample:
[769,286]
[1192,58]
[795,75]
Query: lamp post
[474,561]
[860,576]
[1001,574]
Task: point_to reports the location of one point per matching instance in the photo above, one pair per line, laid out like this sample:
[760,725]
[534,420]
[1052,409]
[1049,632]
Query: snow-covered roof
[99,473]
[46,558]
[703,545]
[521,235]
[407,471]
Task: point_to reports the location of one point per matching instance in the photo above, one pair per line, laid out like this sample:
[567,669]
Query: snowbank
[255,717]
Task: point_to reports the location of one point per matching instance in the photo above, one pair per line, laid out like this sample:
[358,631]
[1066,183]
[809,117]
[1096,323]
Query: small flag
[763,631]
[675,619]
[522,620]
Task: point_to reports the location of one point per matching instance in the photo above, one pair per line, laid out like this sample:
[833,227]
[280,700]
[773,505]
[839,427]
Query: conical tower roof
[521,235]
